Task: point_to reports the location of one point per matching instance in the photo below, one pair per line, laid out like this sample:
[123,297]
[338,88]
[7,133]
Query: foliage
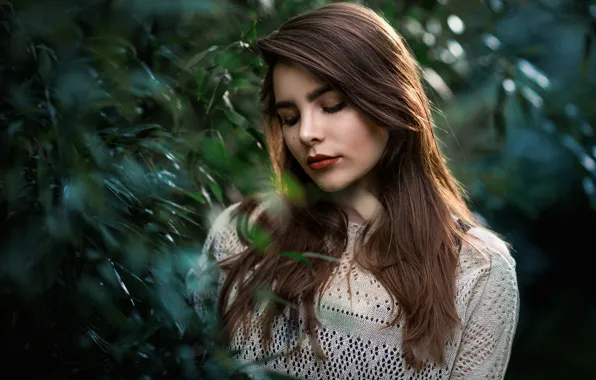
[127,125]
[112,150]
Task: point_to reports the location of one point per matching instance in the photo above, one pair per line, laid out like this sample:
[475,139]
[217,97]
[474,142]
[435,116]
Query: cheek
[367,139]
[290,140]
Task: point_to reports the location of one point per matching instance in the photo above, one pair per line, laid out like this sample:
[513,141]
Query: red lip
[321,161]
[317,157]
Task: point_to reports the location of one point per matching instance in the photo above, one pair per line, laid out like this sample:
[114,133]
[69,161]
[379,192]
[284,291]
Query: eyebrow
[311,96]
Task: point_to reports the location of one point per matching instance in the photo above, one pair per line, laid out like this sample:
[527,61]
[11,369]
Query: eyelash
[336,108]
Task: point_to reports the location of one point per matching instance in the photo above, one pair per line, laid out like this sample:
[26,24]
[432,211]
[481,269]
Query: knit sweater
[355,335]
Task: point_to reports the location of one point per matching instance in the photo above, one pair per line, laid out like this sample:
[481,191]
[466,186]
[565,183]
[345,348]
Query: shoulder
[487,269]
[488,304]
[484,249]
[224,219]
[223,239]
[220,218]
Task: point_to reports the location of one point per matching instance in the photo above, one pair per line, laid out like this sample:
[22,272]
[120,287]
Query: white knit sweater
[353,332]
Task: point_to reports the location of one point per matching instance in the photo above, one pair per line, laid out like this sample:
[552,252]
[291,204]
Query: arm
[490,323]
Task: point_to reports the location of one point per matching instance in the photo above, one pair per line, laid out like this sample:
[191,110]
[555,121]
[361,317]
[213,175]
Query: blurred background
[126,125]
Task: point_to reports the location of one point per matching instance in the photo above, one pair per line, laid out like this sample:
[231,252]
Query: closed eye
[329,110]
[290,122]
[336,108]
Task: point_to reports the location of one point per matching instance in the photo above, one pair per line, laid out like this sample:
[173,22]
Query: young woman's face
[316,121]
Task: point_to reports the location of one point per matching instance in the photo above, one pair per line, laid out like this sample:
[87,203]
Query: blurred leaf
[319,256]
[45,66]
[196,196]
[586,59]
[300,258]
[216,190]
[499,113]
[292,188]
[124,122]
[268,296]
[198,57]
[524,104]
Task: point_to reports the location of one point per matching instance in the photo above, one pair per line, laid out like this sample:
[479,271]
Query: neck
[359,203]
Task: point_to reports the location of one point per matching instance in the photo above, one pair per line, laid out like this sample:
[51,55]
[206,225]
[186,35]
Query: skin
[323,123]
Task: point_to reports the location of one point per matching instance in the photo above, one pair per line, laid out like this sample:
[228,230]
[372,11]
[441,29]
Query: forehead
[290,82]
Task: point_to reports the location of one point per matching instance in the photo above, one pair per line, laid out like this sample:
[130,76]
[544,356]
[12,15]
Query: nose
[311,130]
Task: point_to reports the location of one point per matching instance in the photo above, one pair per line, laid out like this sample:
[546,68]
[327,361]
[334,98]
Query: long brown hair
[413,248]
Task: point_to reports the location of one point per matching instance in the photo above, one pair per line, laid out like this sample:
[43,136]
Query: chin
[331,187]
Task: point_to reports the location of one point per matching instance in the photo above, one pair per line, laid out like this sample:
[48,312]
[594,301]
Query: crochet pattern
[355,311]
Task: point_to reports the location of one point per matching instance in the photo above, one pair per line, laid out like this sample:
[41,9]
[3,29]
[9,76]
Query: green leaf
[585,63]
[292,188]
[320,256]
[236,119]
[499,112]
[264,295]
[114,41]
[259,238]
[216,190]
[45,66]
[300,258]
[44,183]
[197,58]
[215,152]
[196,196]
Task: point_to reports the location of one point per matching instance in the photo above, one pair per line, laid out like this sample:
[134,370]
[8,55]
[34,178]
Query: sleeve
[491,321]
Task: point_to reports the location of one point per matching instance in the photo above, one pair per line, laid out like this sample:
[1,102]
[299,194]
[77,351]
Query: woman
[375,267]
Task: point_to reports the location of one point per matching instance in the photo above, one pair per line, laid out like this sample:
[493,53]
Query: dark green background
[126,125]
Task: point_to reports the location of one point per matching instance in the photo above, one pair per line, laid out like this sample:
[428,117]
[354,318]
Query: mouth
[320,162]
